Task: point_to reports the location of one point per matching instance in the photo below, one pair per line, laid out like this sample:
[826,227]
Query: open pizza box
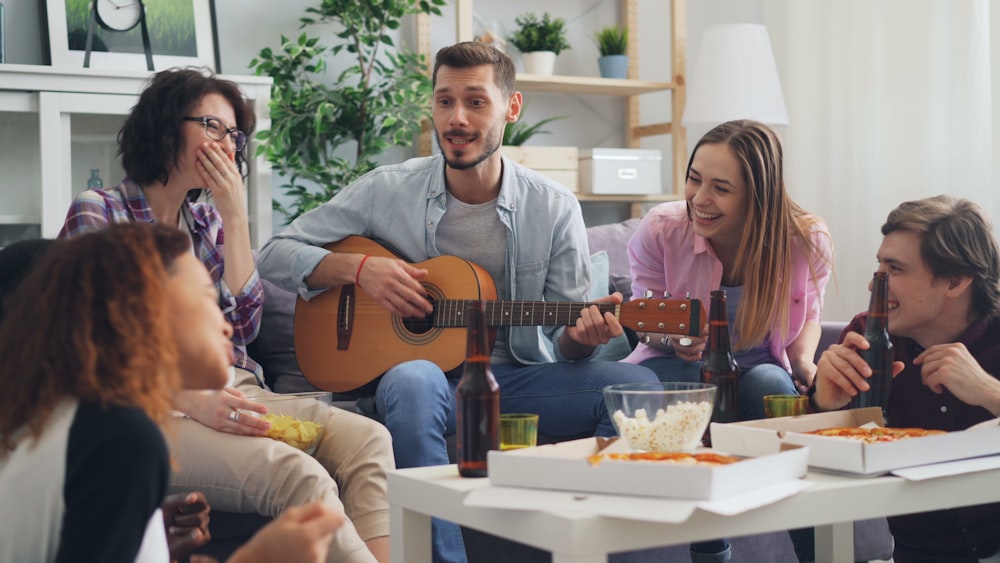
[566,466]
[760,437]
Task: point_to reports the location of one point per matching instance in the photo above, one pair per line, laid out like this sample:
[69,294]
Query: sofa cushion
[613,238]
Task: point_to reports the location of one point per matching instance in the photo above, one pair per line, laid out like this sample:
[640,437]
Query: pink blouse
[666,254]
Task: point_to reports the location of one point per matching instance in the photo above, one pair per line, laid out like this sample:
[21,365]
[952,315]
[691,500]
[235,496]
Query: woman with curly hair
[103,331]
[187,135]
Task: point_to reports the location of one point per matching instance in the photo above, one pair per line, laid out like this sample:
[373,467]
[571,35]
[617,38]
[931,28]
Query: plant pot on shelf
[613,66]
[539,62]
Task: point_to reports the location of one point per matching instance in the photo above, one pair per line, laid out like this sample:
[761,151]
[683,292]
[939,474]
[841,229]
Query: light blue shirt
[401,205]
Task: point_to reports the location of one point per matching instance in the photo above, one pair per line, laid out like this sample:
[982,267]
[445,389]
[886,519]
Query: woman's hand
[301,534]
[185,516]
[687,348]
[226,410]
[222,178]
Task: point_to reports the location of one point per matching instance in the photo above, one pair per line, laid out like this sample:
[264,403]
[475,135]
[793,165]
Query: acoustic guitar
[344,339]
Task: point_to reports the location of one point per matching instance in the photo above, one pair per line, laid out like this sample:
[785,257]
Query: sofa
[274,350]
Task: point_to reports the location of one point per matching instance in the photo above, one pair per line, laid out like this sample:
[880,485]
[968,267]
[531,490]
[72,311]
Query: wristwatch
[118,15]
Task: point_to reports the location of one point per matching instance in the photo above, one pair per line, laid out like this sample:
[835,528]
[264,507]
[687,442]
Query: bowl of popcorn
[660,417]
[289,415]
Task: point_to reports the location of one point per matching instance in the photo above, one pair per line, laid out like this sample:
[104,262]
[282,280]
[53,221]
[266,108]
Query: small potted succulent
[539,41]
[612,42]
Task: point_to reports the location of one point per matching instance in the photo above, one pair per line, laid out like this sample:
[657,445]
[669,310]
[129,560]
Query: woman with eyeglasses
[187,135]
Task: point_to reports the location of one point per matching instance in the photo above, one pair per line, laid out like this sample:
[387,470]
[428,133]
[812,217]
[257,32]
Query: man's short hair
[956,239]
[474,53]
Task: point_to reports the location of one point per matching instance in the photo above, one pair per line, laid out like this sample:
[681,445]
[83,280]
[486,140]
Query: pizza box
[760,437]
[566,466]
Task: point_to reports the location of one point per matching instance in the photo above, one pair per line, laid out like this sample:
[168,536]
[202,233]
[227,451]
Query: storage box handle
[627,173]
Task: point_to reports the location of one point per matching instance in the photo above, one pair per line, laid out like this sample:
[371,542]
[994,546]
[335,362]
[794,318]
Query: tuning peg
[666,295]
[665,340]
[644,339]
[687,295]
[648,294]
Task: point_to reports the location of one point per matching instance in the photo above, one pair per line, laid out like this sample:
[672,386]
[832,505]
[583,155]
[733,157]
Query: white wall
[248,25]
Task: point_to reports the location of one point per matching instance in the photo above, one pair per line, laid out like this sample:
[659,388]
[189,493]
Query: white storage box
[620,171]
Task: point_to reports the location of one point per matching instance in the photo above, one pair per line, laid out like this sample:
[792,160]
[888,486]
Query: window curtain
[889,100]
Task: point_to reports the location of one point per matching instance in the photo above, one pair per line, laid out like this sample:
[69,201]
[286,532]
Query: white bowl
[660,417]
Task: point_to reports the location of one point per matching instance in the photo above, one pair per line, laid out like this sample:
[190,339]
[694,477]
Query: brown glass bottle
[477,415]
[720,367]
[879,355]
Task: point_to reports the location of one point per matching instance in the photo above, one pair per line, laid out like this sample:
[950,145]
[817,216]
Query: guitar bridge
[345,317]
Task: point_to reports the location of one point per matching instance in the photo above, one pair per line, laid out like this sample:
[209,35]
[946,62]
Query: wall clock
[118,16]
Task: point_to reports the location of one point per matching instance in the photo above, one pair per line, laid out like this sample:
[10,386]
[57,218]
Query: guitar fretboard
[451,313]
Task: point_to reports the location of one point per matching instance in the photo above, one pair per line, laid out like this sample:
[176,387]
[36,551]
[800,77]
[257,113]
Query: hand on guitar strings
[592,328]
[395,285]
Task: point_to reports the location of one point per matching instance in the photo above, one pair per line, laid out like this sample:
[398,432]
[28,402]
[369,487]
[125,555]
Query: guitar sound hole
[419,325]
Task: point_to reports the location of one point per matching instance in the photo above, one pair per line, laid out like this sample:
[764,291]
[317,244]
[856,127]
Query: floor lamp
[735,77]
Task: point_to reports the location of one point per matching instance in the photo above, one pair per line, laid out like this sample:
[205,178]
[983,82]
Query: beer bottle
[720,367]
[477,398]
[879,355]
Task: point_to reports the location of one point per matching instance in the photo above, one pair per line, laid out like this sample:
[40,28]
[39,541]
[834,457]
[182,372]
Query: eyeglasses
[214,130]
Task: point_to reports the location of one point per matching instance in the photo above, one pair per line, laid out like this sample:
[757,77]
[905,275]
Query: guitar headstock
[672,316]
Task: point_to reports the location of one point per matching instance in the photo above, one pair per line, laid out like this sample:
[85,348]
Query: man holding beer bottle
[944,302]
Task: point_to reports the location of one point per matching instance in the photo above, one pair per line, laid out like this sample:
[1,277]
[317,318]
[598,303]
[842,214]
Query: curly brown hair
[90,322]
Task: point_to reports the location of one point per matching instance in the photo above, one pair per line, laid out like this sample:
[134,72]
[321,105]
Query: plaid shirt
[95,209]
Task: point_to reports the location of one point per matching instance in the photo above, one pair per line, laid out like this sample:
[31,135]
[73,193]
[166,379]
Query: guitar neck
[450,313]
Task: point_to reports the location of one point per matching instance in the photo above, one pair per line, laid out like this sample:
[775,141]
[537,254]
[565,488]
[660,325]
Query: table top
[440,492]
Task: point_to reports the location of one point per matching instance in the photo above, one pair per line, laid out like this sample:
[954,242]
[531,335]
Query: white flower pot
[539,62]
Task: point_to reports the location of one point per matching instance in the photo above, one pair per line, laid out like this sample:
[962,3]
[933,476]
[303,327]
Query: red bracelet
[357,275]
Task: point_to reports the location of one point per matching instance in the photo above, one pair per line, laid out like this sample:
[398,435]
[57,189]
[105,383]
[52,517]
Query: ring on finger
[235,415]
[685,341]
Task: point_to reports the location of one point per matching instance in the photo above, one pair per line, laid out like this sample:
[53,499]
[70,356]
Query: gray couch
[274,349]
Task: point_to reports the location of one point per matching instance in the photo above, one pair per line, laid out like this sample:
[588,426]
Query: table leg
[589,558]
[835,542]
[410,540]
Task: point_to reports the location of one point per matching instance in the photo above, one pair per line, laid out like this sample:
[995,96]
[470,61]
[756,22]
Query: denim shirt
[400,207]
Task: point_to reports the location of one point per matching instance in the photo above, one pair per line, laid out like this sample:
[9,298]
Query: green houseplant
[612,42]
[535,36]
[324,134]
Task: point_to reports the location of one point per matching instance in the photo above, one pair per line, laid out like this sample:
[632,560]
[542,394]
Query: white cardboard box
[620,171]
[566,466]
[758,437]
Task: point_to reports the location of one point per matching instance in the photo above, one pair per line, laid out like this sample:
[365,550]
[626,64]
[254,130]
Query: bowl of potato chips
[288,416]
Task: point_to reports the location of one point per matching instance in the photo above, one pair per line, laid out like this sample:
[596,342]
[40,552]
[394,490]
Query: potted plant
[326,131]
[612,42]
[539,41]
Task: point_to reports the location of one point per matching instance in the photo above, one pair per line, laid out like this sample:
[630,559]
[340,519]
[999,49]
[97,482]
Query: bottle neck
[477,348]
[878,307]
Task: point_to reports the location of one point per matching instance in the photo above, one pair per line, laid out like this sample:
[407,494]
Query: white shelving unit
[631,89]
[56,123]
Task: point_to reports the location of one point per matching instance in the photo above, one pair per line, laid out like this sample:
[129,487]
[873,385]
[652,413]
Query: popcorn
[675,429]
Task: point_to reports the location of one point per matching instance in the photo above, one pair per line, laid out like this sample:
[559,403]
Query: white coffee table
[831,504]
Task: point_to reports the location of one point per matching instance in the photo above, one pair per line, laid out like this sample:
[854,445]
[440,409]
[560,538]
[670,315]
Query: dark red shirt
[957,535]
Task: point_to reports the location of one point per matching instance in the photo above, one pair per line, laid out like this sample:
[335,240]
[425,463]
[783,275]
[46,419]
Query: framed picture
[181,33]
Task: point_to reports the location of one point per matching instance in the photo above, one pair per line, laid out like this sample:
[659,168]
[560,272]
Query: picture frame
[182,33]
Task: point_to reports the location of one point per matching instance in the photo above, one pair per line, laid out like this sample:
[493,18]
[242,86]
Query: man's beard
[491,142]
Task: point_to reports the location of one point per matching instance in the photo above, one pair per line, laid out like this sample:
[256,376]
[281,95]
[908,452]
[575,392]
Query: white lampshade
[735,78]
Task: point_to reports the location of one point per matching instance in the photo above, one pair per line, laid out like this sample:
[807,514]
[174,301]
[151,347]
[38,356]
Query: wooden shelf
[624,198]
[588,85]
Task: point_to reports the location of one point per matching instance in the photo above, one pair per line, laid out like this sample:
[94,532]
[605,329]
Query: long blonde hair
[764,258]
[91,322]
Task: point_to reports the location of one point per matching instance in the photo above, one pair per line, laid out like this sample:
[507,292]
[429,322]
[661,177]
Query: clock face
[118,15]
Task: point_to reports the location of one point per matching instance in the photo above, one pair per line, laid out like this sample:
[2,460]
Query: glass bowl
[660,417]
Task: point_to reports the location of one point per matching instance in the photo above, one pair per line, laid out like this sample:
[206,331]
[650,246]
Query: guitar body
[341,358]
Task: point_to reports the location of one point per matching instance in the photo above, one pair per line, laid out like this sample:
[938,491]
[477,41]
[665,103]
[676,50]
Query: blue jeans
[415,401]
[754,384]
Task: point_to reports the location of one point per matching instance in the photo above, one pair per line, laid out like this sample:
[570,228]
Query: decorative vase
[613,66]
[539,62]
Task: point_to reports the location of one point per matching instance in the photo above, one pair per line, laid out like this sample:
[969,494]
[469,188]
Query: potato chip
[297,433]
